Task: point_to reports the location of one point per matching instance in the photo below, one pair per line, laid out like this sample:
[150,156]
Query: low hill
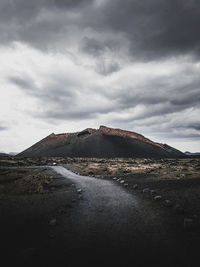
[192,154]
[2,154]
[101,143]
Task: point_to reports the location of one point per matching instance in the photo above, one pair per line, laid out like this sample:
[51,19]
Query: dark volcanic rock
[101,143]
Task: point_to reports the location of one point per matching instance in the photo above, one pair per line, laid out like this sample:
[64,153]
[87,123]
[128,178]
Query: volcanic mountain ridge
[104,142]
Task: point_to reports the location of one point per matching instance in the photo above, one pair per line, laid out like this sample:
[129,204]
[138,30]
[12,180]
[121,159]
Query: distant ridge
[192,154]
[2,154]
[104,142]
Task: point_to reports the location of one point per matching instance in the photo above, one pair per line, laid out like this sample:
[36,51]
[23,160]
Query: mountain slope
[103,142]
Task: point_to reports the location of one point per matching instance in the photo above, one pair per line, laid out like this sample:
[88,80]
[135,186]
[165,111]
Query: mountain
[103,142]
[192,154]
[2,154]
[13,153]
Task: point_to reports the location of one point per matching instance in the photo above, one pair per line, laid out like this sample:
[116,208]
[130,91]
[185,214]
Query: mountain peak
[104,142]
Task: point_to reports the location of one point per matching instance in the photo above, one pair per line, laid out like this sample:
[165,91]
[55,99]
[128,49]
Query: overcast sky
[66,65]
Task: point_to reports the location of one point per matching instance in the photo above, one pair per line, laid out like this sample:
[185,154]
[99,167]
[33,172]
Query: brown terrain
[175,180]
[36,204]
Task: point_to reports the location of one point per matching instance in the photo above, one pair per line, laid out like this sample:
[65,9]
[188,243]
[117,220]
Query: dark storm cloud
[68,115]
[69,3]
[64,112]
[105,67]
[19,20]
[181,135]
[192,124]
[116,36]
[161,95]
[168,101]
[59,99]
[59,91]
[154,28]
[23,10]
[71,109]
[93,46]
[101,51]
[96,47]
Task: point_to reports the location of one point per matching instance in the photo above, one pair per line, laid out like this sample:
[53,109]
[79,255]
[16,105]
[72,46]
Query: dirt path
[103,206]
[110,224]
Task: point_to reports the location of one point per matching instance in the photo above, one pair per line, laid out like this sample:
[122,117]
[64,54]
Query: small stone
[157,198]
[168,203]
[135,186]
[54,163]
[115,178]
[145,191]
[122,182]
[188,223]
[125,184]
[52,222]
[79,190]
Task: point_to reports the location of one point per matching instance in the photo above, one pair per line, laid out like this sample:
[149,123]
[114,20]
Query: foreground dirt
[36,204]
[32,202]
[175,181]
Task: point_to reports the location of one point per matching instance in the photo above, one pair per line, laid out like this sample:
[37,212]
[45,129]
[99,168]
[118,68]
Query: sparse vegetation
[15,181]
[36,199]
[164,168]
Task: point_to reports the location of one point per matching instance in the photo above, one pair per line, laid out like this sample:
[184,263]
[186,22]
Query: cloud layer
[72,64]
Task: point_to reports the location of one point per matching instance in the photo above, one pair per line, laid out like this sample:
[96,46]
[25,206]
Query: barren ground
[36,204]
